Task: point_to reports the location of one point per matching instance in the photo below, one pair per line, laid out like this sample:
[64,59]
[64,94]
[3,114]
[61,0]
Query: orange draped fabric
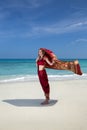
[62,65]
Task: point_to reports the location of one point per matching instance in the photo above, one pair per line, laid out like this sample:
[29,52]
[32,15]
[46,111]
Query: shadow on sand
[29,102]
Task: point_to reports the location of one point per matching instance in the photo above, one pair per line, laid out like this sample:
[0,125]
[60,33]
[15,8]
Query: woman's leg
[45,85]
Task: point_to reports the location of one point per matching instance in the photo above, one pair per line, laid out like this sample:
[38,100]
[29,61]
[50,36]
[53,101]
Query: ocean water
[16,70]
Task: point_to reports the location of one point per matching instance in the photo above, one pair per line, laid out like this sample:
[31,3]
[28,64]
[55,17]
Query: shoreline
[32,78]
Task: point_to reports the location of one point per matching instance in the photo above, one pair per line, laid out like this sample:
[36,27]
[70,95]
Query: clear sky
[27,25]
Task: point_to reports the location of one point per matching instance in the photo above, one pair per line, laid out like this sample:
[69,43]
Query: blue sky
[27,25]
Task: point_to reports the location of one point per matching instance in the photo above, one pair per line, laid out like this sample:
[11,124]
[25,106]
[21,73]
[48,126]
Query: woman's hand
[50,63]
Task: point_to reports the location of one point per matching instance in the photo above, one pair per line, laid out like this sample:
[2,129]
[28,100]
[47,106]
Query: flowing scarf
[73,66]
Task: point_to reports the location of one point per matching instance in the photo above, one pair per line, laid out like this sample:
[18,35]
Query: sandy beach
[20,107]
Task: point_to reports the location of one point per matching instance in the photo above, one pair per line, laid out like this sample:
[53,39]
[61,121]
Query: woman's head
[41,52]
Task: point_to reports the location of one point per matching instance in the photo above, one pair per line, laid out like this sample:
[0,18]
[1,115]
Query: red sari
[61,65]
[43,77]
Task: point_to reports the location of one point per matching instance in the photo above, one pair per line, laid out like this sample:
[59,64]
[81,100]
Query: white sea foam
[67,77]
[28,78]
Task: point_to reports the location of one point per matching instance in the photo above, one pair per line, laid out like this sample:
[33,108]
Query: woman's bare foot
[45,102]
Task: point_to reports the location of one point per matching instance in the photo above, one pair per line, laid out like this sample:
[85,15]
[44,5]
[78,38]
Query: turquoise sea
[15,70]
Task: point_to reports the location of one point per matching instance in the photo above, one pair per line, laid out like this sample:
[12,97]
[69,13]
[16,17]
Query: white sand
[20,107]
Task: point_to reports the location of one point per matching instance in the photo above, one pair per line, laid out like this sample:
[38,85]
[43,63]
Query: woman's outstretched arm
[48,62]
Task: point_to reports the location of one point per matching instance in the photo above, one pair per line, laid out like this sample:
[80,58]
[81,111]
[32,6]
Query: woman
[41,61]
[47,59]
